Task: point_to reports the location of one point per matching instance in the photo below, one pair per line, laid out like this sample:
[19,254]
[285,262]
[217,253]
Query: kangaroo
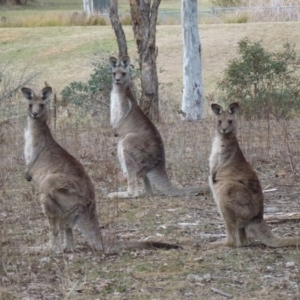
[66,191]
[140,147]
[236,188]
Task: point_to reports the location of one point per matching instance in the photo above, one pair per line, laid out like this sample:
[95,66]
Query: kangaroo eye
[219,122]
[124,73]
[114,73]
[30,105]
[230,122]
[42,105]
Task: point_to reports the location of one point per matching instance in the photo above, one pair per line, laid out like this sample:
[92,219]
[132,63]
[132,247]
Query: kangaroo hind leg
[147,186]
[59,230]
[242,239]
[67,228]
[230,240]
[131,165]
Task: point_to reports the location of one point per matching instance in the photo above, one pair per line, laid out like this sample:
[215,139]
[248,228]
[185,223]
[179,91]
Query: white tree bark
[192,99]
[88,7]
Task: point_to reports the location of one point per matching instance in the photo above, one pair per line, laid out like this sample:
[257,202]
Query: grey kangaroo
[236,188]
[66,191]
[140,147]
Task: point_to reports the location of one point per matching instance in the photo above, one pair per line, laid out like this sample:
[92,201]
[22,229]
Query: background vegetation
[265,83]
[69,13]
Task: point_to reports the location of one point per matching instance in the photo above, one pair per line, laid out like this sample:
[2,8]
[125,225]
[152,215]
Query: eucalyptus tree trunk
[144,18]
[120,35]
[192,99]
[88,7]
[118,29]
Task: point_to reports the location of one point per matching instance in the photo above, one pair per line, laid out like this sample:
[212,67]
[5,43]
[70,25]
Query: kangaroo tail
[88,224]
[130,245]
[162,182]
[261,230]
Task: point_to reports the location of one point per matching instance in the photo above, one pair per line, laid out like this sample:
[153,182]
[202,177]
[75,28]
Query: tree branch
[117,26]
[153,21]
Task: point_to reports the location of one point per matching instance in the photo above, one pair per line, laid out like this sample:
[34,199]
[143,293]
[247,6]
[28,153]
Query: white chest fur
[215,152]
[28,149]
[120,107]
[213,162]
[115,109]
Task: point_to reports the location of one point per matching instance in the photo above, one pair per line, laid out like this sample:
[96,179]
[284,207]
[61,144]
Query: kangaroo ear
[233,108]
[113,62]
[45,93]
[28,93]
[125,61]
[217,109]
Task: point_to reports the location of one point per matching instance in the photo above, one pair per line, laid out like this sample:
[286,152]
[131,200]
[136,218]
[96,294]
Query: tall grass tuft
[126,19]
[237,18]
[264,11]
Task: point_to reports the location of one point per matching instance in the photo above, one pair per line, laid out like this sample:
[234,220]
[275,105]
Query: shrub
[265,83]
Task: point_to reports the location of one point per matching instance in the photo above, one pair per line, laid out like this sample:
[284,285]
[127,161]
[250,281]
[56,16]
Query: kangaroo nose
[118,80]
[224,130]
[35,114]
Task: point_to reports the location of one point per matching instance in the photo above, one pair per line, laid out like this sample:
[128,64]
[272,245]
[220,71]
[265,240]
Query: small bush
[95,20]
[266,83]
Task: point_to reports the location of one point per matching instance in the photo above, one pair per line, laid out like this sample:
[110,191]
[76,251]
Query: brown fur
[236,188]
[140,147]
[66,190]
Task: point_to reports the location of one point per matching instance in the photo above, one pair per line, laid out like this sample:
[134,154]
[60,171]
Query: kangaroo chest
[34,142]
[216,153]
[28,149]
[119,108]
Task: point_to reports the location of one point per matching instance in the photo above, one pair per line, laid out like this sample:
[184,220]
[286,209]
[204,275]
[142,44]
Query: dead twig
[280,217]
[126,230]
[136,277]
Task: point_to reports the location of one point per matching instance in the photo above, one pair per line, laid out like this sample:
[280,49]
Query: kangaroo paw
[220,243]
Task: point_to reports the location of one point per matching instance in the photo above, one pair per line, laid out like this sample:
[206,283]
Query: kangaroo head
[226,119]
[120,70]
[37,107]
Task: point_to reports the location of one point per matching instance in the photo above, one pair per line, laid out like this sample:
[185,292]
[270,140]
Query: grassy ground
[65,54]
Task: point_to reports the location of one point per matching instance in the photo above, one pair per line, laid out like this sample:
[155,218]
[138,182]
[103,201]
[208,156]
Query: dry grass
[260,11]
[248,273]
[42,14]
